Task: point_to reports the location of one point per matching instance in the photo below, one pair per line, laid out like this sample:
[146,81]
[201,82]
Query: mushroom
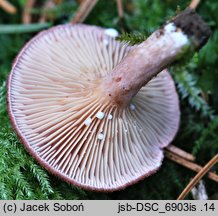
[86,106]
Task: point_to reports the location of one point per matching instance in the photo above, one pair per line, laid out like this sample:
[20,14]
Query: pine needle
[84,9]
[198,177]
[194,4]
[8,7]
[22,28]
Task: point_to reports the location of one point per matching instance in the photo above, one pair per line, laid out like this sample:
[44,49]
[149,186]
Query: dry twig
[26,17]
[8,7]
[194,4]
[180,152]
[120,8]
[58,1]
[190,165]
[83,11]
[198,177]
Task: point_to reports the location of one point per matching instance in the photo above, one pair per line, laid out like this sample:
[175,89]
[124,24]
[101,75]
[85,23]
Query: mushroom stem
[186,33]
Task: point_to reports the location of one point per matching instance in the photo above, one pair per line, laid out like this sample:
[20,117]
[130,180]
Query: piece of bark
[199,192]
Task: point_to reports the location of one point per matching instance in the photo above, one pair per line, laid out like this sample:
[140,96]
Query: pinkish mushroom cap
[63,120]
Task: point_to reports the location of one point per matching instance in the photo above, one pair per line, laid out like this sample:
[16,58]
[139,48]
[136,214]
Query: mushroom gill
[70,128]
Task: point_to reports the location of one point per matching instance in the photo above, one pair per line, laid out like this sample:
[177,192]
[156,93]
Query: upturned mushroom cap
[67,124]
